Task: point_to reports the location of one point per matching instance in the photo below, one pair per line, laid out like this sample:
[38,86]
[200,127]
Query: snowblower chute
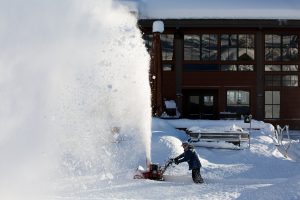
[154,172]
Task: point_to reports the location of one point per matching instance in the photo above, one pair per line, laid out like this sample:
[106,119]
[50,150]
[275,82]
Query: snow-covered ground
[259,172]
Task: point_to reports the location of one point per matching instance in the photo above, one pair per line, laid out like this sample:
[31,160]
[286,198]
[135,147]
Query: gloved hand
[176,161]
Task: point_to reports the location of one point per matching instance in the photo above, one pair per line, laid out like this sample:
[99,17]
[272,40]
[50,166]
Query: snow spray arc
[72,73]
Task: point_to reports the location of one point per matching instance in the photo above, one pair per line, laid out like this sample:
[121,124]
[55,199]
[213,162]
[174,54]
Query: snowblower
[154,172]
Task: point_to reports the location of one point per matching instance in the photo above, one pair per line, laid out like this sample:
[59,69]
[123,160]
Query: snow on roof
[218,9]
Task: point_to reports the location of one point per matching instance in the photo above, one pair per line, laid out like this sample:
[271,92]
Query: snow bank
[165,127]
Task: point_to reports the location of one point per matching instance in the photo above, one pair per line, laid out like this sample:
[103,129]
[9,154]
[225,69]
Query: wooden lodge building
[223,67]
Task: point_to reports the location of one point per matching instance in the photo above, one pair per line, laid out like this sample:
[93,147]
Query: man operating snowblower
[190,155]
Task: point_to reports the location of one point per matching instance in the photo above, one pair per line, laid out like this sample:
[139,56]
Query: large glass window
[238,101]
[290,68]
[282,77]
[237,47]
[229,47]
[200,47]
[272,68]
[272,80]
[245,68]
[192,47]
[272,47]
[208,100]
[229,68]
[194,105]
[290,80]
[237,97]
[221,49]
[272,104]
[289,47]
[278,68]
[209,46]
[281,47]
[237,68]
[246,47]
[167,46]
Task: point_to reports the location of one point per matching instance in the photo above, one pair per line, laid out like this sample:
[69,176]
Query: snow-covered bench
[171,111]
[235,136]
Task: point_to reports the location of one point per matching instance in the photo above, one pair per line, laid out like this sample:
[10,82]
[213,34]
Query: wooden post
[156,70]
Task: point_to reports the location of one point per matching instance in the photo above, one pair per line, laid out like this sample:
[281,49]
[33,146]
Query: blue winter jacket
[191,157]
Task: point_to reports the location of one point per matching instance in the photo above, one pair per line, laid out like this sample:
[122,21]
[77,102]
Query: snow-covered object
[230,128]
[158,26]
[170,104]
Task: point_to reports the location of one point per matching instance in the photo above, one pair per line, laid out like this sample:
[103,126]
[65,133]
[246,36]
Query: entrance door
[200,104]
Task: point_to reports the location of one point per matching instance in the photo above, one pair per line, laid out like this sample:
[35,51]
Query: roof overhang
[223,23]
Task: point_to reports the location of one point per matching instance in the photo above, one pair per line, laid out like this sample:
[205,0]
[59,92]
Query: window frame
[239,108]
[272,104]
[199,64]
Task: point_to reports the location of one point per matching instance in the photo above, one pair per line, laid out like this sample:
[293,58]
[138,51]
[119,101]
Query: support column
[156,70]
[260,68]
[178,51]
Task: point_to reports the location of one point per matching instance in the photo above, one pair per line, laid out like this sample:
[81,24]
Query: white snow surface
[158,26]
[258,172]
[234,9]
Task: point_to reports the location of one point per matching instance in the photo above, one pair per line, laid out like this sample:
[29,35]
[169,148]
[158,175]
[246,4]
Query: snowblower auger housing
[155,171]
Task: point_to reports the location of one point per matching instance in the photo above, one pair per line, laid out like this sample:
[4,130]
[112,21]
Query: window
[194,102]
[229,47]
[209,46]
[281,47]
[227,52]
[228,68]
[237,68]
[167,67]
[278,68]
[272,47]
[272,68]
[238,101]
[208,100]
[237,97]
[148,41]
[246,47]
[290,68]
[272,80]
[281,80]
[237,47]
[246,68]
[289,47]
[192,47]
[200,47]
[290,80]
[167,46]
[272,104]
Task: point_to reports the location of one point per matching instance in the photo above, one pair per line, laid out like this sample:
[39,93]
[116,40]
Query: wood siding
[179,80]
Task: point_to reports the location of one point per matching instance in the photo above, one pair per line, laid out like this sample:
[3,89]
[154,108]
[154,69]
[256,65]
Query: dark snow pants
[197,176]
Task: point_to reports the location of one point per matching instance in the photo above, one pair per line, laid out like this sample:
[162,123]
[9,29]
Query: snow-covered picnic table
[234,135]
